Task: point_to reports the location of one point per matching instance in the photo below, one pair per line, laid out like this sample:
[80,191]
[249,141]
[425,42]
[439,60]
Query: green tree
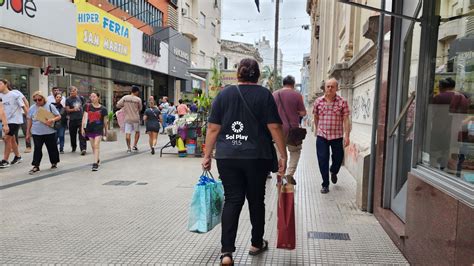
[269,79]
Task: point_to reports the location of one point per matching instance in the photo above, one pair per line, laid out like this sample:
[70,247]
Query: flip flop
[260,250]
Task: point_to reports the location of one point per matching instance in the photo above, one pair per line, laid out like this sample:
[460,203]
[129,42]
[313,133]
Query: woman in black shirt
[244,119]
[94,126]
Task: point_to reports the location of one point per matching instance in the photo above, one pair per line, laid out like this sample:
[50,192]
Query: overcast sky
[241,16]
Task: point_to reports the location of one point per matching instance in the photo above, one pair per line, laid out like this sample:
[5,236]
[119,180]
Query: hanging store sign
[100,33]
[151,45]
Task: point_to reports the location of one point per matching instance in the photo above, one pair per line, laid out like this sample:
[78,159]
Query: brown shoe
[27,150]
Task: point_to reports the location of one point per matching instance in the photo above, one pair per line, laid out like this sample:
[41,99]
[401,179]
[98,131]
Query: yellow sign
[100,33]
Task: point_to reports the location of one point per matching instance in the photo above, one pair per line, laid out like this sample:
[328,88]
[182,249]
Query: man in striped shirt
[331,120]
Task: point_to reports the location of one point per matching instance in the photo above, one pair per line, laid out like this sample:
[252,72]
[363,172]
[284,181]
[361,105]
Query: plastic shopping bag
[206,205]
[120,114]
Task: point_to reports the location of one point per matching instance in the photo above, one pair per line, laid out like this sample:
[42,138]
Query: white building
[201,22]
[233,52]
[268,54]
[305,77]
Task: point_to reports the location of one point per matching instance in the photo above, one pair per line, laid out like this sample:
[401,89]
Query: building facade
[233,52]
[267,52]
[305,78]
[200,21]
[423,187]
[27,40]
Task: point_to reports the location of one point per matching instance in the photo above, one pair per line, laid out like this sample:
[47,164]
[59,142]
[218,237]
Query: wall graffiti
[361,106]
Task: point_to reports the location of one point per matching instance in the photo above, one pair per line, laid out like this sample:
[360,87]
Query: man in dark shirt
[291,108]
[74,108]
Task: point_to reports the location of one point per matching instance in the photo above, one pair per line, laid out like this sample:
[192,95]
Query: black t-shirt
[62,112]
[95,119]
[73,102]
[241,137]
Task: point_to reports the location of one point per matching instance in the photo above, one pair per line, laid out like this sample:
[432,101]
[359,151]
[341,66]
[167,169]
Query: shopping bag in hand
[206,205]
[286,216]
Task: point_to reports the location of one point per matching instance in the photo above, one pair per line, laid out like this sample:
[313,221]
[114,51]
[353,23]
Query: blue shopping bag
[206,205]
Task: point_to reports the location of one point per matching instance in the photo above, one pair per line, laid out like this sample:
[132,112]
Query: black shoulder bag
[296,135]
[274,163]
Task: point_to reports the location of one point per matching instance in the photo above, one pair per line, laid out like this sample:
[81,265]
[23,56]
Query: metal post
[277,22]
[375,112]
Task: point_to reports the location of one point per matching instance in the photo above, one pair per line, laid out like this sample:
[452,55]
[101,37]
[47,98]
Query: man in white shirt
[23,126]
[52,99]
[13,105]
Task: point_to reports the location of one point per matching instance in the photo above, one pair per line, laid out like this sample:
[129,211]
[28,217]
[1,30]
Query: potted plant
[111,133]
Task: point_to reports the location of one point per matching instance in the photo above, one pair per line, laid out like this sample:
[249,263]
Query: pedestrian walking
[75,109]
[331,121]
[152,120]
[13,106]
[62,124]
[182,109]
[171,116]
[43,132]
[94,123]
[164,106]
[23,125]
[290,108]
[132,105]
[243,121]
[52,97]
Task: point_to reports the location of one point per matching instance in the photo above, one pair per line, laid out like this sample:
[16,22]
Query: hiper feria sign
[100,33]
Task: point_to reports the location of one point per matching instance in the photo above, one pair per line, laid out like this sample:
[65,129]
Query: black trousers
[74,130]
[243,179]
[337,156]
[51,146]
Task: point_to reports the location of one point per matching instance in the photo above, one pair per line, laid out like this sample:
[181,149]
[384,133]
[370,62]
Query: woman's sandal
[227,255]
[34,170]
[260,250]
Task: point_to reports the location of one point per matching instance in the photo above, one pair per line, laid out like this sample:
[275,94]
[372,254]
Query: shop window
[449,142]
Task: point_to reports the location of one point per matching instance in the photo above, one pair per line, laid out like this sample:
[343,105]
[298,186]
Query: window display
[449,142]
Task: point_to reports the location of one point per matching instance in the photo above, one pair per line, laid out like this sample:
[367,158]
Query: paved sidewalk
[68,216]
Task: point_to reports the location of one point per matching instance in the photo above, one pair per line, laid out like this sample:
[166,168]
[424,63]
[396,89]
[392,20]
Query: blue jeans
[60,137]
[322,149]
[165,119]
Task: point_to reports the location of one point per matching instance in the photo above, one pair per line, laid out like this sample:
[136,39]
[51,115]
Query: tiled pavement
[68,216]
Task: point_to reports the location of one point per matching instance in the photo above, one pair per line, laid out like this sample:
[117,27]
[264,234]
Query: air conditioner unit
[184,12]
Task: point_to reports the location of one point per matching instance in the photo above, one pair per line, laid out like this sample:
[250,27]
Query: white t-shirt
[13,105]
[21,97]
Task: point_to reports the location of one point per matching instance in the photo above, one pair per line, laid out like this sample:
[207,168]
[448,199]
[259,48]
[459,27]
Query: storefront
[424,178]
[179,48]
[27,39]
[112,57]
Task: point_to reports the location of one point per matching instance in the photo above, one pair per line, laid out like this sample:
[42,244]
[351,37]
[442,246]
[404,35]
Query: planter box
[111,135]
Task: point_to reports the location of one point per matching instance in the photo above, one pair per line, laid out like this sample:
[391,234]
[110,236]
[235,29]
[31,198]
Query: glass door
[402,111]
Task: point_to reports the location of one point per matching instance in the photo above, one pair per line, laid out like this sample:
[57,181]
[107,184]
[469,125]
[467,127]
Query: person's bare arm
[211,139]
[25,102]
[3,117]
[29,123]
[347,130]
[277,135]
[84,119]
[316,121]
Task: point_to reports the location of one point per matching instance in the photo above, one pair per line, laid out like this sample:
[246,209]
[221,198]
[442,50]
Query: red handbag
[286,217]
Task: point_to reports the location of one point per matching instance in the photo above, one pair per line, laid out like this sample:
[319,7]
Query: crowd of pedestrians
[48,119]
